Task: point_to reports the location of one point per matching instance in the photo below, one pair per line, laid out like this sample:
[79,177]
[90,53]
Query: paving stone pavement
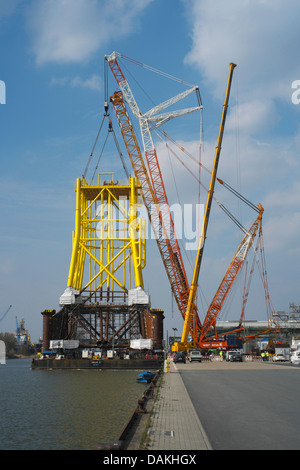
[174,422]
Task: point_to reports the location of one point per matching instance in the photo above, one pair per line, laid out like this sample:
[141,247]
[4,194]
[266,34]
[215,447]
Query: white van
[295,357]
[195,355]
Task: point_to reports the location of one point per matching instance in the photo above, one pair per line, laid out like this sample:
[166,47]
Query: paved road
[246,406]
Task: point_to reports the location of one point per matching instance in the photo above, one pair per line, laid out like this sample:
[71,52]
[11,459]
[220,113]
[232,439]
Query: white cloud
[59,81]
[282,218]
[93,83]
[282,233]
[259,36]
[252,116]
[66,31]
[285,199]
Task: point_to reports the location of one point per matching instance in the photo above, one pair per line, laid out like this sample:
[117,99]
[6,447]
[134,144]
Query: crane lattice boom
[172,263]
[229,278]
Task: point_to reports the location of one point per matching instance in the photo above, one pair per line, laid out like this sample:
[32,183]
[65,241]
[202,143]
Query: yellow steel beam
[94,217]
[105,268]
[194,284]
[77,234]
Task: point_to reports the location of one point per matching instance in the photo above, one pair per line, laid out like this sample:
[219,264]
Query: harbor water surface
[63,409]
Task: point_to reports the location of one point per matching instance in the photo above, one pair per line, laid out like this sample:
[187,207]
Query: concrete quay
[171,421]
[174,423]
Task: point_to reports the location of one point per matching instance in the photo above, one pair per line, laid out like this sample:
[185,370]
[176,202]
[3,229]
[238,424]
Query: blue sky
[51,60]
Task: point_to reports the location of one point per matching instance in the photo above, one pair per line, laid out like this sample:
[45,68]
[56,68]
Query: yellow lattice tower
[109,245]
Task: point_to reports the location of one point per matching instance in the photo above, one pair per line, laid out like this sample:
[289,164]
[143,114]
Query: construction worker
[263,356]
[267,356]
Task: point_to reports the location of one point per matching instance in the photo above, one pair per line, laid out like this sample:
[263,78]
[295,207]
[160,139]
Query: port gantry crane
[151,180]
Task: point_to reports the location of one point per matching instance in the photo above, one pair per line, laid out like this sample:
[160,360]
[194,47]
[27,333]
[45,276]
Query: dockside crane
[153,189]
[5,313]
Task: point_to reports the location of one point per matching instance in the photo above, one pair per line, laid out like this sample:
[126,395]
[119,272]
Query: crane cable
[157,71]
[106,114]
[93,149]
[101,153]
[152,128]
[187,153]
[240,196]
[227,212]
[226,185]
[110,130]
